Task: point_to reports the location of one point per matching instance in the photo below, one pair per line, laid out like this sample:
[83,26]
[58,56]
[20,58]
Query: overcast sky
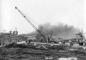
[70,12]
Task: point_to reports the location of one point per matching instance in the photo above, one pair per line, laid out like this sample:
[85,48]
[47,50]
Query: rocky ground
[31,54]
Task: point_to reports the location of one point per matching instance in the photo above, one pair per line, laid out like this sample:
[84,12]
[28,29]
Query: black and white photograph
[42,30]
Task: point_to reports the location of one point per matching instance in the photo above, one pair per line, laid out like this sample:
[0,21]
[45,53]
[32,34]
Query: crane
[31,24]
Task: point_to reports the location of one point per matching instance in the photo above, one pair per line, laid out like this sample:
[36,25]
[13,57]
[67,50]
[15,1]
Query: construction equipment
[41,33]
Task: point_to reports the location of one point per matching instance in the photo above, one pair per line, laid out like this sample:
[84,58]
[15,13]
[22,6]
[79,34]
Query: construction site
[41,45]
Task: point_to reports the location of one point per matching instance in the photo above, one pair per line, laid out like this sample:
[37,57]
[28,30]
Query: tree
[51,31]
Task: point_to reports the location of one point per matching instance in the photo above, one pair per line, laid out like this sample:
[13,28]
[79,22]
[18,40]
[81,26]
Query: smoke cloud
[59,31]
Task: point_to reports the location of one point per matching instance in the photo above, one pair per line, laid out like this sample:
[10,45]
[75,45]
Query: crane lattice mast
[31,23]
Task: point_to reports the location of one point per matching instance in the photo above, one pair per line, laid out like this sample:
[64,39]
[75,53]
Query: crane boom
[30,23]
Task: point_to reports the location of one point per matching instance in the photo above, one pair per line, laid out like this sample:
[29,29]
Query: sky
[0,14]
[71,12]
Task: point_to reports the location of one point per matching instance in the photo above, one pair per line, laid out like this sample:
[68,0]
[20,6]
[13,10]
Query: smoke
[60,30]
